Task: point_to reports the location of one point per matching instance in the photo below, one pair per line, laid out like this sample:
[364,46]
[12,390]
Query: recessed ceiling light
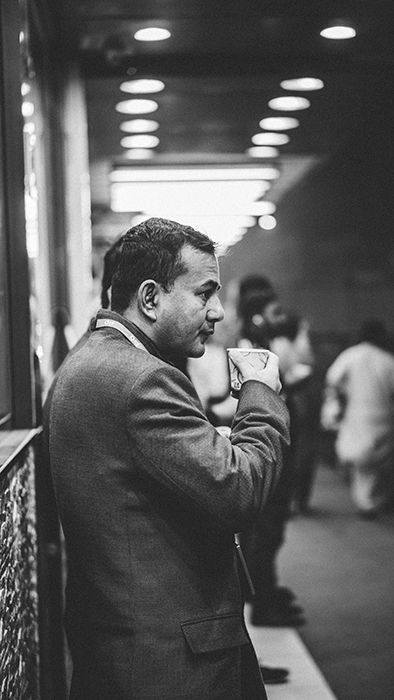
[263,152]
[279,123]
[267,222]
[140,141]
[289,103]
[262,208]
[152,34]
[29,128]
[303,84]
[338,32]
[270,139]
[142,86]
[139,126]
[137,106]
[27,109]
[259,173]
[139,154]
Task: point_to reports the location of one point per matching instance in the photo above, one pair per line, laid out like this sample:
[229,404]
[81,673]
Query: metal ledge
[12,443]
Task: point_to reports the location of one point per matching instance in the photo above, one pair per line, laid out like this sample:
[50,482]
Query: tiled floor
[283,647]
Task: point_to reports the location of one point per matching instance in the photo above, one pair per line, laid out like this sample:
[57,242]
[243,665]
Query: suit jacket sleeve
[172,441]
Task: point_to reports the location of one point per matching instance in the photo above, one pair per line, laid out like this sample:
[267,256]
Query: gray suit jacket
[149,496]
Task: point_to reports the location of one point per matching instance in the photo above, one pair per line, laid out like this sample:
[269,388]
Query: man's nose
[215,312]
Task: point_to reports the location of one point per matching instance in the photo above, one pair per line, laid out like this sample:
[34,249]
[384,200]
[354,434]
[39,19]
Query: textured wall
[18,583]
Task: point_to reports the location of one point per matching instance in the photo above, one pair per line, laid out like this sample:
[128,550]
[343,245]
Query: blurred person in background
[260,317]
[362,379]
[292,343]
[264,323]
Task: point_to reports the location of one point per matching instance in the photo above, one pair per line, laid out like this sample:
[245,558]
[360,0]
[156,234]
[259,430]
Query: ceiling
[224,61]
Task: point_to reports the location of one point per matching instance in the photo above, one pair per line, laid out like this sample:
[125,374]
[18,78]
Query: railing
[31,638]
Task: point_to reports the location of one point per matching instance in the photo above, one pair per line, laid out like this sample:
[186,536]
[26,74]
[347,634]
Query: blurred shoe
[274,674]
[283,593]
[276,618]
[283,600]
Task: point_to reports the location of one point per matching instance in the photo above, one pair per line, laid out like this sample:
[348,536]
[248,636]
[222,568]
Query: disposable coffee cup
[255,356]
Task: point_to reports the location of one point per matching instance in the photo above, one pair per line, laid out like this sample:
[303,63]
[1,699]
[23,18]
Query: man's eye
[205,295]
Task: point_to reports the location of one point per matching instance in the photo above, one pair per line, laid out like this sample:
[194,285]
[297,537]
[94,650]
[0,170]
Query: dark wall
[331,257]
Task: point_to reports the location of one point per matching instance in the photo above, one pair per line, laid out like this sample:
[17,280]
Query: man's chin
[198,351]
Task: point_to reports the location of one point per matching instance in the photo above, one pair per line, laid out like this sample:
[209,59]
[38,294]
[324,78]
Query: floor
[284,647]
[342,569]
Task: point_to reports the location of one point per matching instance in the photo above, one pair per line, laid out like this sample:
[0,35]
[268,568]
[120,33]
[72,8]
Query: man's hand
[268,375]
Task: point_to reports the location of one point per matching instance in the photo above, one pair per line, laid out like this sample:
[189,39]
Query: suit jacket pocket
[215,633]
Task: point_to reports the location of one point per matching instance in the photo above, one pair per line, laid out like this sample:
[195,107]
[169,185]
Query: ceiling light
[139,154]
[29,128]
[137,106]
[338,32]
[193,198]
[140,141]
[142,86]
[267,222]
[289,103]
[219,208]
[279,123]
[262,208]
[263,152]
[304,84]
[269,139]
[25,89]
[152,34]
[194,174]
[139,126]
[27,109]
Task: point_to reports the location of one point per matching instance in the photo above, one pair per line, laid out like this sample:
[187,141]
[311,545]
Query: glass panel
[5,378]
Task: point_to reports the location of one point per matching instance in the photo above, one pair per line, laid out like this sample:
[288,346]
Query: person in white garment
[363,376]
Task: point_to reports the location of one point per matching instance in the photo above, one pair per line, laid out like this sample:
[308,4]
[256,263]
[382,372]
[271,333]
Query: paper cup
[256,356]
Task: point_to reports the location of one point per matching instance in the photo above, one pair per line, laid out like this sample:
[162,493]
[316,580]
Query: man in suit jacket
[149,493]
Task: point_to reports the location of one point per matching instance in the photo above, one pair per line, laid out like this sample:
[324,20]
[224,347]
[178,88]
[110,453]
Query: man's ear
[148,297]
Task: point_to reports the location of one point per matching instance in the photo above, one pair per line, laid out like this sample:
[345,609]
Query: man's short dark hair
[111,260]
[152,250]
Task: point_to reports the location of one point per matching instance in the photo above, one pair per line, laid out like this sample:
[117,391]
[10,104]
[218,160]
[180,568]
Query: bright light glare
[267,222]
[142,86]
[140,141]
[139,126]
[263,152]
[223,209]
[289,103]
[262,208]
[279,123]
[29,128]
[269,139]
[139,154]
[137,106]
[338,32]
[152,34]
[27,109]
[304,84]
[194,198]
[193,174]
[25,89]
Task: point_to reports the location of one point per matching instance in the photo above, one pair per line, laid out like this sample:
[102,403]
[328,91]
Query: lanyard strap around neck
[111,323]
